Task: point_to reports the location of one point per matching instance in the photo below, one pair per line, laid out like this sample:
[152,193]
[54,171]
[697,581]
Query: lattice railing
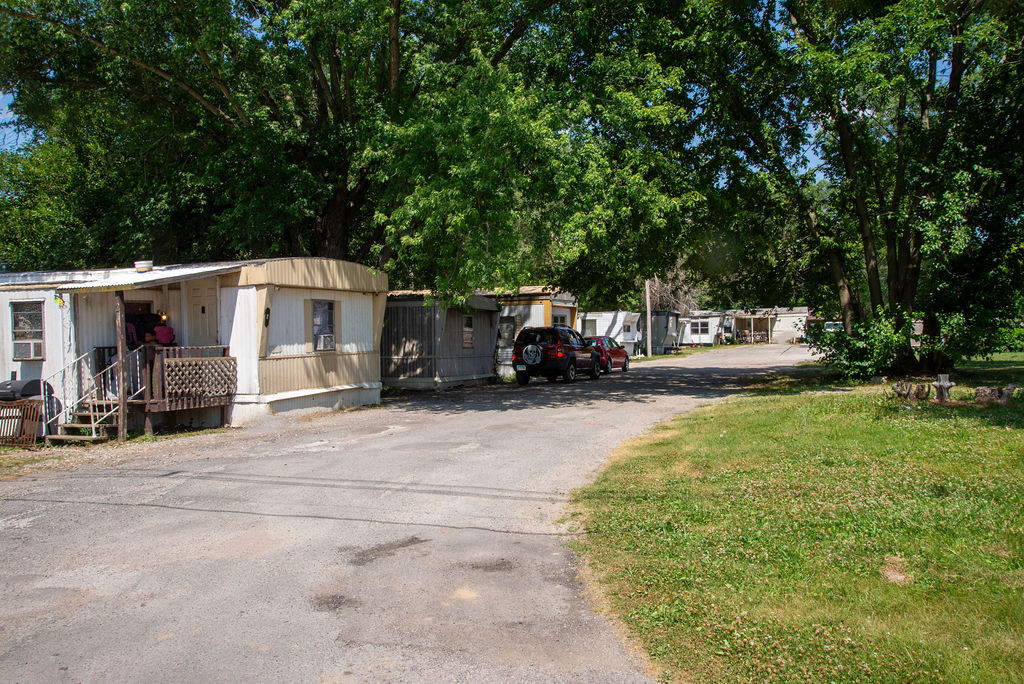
[210,377]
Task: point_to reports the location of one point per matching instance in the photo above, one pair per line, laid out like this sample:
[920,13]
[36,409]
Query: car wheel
[522,378]
[625,365]
[608,366]
[595,367]
[570,372]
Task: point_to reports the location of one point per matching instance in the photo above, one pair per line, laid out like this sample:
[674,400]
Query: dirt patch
[895,571]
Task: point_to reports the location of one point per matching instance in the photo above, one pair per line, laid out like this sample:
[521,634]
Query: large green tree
[387,132]
[867,144]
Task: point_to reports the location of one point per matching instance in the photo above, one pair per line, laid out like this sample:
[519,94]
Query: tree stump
[942,386]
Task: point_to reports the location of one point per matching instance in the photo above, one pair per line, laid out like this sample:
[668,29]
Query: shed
[198,343]
[425,345]
[665,331]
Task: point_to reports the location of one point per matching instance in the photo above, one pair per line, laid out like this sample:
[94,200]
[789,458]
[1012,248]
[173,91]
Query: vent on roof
[143,266]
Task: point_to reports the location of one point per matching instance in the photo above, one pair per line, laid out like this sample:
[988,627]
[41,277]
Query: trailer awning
[159,276]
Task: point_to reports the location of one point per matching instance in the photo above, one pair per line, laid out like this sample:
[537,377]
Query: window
[699,328]
[627,328]
[323,325]
[559,319]
[467,332]
[27,327]
[590,328]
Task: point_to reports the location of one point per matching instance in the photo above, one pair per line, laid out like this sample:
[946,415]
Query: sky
[9,139]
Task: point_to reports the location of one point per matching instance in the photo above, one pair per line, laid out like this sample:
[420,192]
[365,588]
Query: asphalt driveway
[417,541]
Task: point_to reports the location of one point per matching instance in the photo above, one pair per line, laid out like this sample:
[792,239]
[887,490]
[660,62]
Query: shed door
[202,320]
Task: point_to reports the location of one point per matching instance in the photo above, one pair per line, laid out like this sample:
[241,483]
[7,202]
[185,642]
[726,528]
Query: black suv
[552,352]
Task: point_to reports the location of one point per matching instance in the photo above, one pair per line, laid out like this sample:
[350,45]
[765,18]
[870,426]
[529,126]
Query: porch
[151,380]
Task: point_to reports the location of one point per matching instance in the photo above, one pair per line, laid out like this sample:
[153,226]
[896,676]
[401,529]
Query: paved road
[418,541]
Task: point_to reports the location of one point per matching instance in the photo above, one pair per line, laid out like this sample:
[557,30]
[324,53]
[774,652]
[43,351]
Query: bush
[873,347]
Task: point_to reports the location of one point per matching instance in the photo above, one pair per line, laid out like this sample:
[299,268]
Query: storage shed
[425,345]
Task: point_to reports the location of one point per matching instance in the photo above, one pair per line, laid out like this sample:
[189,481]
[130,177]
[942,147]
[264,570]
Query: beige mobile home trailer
[197,344]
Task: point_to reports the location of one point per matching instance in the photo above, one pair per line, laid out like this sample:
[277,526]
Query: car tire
[595,367]
[570,372]
[608,366]
[625,365]
[523,378]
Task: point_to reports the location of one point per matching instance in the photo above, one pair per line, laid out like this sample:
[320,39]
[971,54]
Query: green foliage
[871,348]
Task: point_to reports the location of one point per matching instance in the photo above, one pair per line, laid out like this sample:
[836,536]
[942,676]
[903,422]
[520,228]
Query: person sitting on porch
[164,335]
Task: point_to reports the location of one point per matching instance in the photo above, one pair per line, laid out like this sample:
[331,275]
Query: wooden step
[94,415]
[76,438]
[100,427]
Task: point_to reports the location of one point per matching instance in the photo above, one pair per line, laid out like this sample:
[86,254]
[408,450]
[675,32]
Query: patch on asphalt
[332,603]
[500,565]
[375,553]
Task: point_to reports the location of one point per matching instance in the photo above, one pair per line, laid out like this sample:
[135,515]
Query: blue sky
[9,139]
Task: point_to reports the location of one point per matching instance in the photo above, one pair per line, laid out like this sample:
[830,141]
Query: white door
[202,319]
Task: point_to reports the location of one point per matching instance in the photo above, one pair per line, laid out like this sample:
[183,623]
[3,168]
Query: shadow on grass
[806,378]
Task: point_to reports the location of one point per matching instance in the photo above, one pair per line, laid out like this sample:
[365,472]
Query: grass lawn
[811,533]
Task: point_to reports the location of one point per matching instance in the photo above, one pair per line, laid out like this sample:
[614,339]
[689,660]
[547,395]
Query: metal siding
[240,321]
[317,371]
[356,320]
[56,343]
[286,335]
[407,348]
[456,361]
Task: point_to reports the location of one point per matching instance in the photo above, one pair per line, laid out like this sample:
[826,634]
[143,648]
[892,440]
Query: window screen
[323,325]
[27,327]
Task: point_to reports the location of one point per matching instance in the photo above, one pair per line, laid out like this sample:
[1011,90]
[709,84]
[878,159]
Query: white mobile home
[228,340]
[621,326]
[704,328]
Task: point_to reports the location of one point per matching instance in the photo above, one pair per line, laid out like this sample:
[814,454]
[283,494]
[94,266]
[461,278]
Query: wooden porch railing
[189,377]
[180,378]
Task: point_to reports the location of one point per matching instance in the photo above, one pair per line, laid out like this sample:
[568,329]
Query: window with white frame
[559,319]
[27,330]
[323,325]
[467,332]
[699,328]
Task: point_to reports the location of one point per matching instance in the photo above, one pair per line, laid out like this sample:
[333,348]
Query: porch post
[122,376]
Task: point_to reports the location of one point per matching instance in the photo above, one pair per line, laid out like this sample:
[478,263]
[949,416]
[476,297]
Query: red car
[553,352]
[613,355]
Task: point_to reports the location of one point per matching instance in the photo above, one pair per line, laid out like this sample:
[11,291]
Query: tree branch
[517,32]
[206,104]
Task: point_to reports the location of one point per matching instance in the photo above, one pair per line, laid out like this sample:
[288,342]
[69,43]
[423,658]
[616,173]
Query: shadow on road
[643,383]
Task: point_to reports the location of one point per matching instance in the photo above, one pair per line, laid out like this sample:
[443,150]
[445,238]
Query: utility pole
[647,292]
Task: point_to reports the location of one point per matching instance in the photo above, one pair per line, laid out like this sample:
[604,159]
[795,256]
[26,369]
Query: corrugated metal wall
[408,343]
[457,361]
[239,327]
[316,371]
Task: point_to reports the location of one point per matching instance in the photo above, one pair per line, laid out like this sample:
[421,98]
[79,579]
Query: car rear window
[537,337]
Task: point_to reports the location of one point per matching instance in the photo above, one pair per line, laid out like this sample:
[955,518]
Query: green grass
[815,532]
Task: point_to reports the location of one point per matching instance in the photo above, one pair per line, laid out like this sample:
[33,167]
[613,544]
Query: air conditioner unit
[28,351]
